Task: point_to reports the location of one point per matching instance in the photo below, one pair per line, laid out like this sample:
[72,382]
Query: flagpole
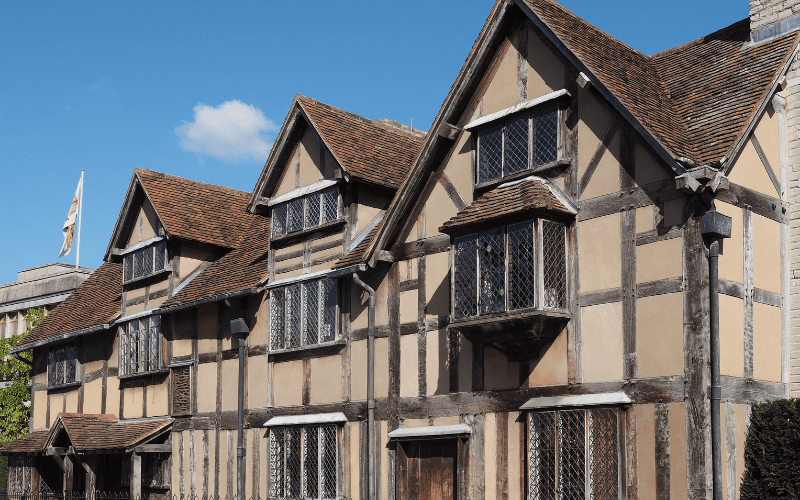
[80,212]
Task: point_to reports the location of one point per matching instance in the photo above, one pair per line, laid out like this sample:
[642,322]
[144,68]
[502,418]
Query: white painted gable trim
[430,431]
[297,193]
[513,109]
[605,399]
[319,418]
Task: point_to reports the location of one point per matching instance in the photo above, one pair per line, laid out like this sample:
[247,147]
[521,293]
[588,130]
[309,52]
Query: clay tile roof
[359,253]
[368,150]
[32,442]
[197,211]
[505,201]
[104,432]
[95,302]
[695,99]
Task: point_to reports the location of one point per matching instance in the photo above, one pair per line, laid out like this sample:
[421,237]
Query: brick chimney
[770,18]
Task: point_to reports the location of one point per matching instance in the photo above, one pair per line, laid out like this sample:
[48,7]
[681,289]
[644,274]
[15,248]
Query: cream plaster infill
[519,107]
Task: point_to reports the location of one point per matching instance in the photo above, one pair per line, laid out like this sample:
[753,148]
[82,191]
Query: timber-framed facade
[541,308]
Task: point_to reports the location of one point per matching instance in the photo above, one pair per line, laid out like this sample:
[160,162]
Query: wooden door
[427,469]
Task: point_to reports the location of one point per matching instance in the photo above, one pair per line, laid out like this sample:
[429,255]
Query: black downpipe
[239,327]
[715,391]
[371,493]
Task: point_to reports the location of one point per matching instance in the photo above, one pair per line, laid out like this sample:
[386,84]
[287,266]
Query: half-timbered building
[514,305]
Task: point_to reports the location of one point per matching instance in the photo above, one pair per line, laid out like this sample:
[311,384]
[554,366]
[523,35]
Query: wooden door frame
[462,462]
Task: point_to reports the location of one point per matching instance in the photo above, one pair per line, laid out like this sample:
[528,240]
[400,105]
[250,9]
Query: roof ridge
[696,41]
[191,181]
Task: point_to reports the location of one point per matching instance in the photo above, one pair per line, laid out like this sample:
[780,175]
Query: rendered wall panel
[326,379]
[438,376]
[207,379]
[601,333]
[459,168]
[133,402]
[499,373]
[731,335]
[601,256]
[230,384]
[437,285]
[648,169]
[287,383]
[731,259]
[438,210]
[207,328]
[502,91]
[646,450]
[545,69]
[257,377]
[767,358]
[605,179]
[409,372]
[749,171]
[766,254]
[157,399]
[659,260]
[659,335]
[677,451]
[551,366]
[40,410]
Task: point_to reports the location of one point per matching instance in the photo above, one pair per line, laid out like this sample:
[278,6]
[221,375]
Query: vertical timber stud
[696,348]
[631,462]
[630,368]
[422,328]
[779,104]
[574,357]
[136,475]
[747,229]
[394,372]
[501,456]
[661,426]
[522,62]
[730,441]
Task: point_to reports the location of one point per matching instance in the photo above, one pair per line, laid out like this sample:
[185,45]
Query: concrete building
[41,286]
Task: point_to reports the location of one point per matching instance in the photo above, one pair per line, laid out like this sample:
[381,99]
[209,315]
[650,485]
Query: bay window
[519,266]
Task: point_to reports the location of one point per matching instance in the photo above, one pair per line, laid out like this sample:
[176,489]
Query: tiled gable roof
[507,200]
[33,442]
[198,211]
[104,432]
[95,302]
[367,149]
[695,99]
[358,254]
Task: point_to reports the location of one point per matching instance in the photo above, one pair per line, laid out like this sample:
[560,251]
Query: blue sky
[111,86]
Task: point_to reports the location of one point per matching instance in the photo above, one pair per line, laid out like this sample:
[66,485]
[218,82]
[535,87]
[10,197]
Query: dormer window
[305,212]
[519,266]
[143,261]
[517,143]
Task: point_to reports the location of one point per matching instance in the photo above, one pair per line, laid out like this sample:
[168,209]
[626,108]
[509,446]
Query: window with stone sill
[513,267]
[306,212]
[517,143]
[143,262]
[303,314]
[62,366]
[303,462]
[140,349]
[574,454]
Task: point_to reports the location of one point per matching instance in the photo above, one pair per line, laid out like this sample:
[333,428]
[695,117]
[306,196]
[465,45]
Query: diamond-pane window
[62,366]
[555,264]
[465,278]
[545,137]
[499,270]
[330,205]
[303,463]
[278,221]
[295,216]
[145,261]
[573,454]
[490,154]
[312,210]
[127,263]
[140,346]
[521,266]
[517,143]
[303,314]
[492,261]
[160,257]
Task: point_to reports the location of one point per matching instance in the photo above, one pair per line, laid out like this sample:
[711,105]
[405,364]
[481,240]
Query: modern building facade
[512,305]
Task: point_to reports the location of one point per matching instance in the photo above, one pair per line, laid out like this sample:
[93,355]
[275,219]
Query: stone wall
[766,12]
[792,94]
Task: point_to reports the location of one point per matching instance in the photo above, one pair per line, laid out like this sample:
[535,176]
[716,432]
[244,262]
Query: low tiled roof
[32,442]
[95,302]
[367,149]
[358,254]
[695,99]
[507,200]
[103,432]
[197,211]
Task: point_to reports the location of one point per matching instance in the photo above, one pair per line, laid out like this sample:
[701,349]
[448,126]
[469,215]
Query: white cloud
[233,131]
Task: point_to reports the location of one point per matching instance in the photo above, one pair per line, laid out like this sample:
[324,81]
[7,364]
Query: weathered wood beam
[448,131]
[154,448]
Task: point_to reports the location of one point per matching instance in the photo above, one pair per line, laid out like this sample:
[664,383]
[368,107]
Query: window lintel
[316,419]
[498,115]
[580,401]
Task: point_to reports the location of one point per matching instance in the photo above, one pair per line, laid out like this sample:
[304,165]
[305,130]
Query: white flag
[69,224]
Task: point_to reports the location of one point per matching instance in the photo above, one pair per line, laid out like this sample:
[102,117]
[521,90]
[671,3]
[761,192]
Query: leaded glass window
[573,454]
[144,262]
[62,366]
[303,314]
[140,348]
[517,143]
[303,462]
[306,212]
[499,270]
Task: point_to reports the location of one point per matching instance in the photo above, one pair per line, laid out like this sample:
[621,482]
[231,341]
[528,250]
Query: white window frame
[132,345]
[281,315]
[539,277]
[278,464]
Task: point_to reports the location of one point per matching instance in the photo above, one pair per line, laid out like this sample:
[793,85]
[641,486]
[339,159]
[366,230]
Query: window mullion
[587,453]
[503,151]
[320,475]
[478,274]
[506,257]
[530,141]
